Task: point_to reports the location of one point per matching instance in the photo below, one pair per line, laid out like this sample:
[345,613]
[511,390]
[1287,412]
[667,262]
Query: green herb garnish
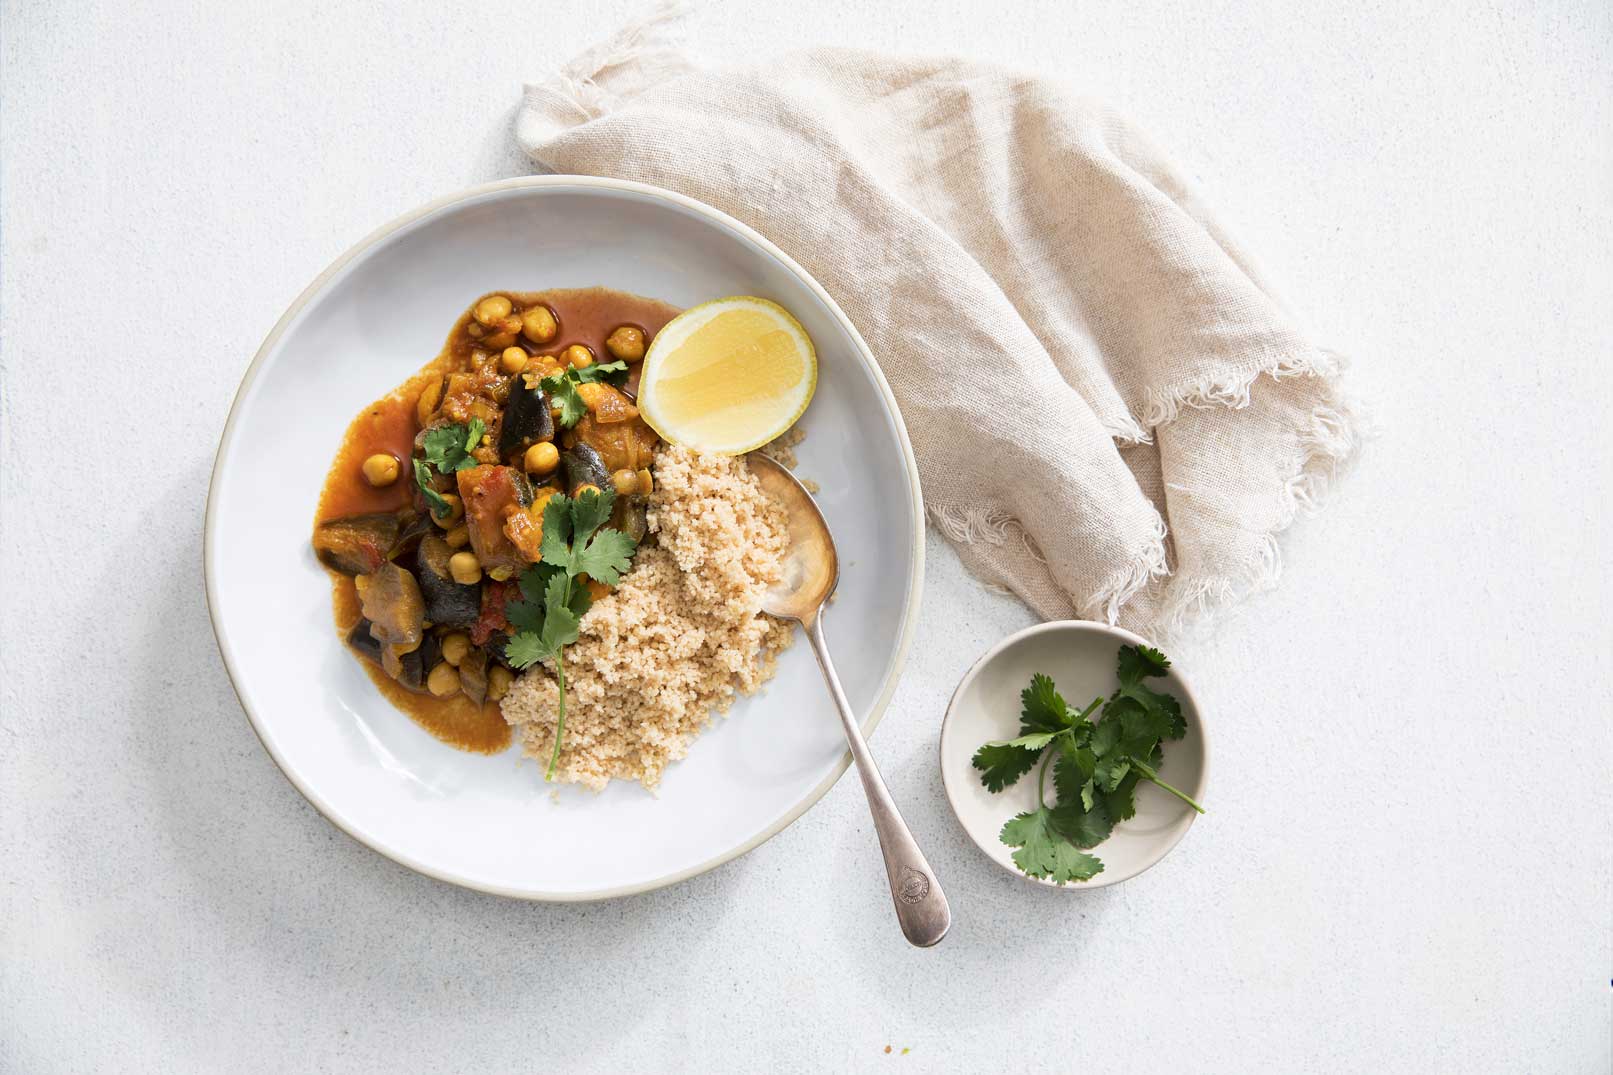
[447,448]
[575,542]
[562,387]
[422,477]
[1096,765]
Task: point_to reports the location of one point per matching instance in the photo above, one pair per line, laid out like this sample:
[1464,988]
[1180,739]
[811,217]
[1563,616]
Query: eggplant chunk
[629,517]
[584,467]
[448,603]
[412,526]
[526,418]
[418,663]
[473,675]
[363,643]
[390,599]
[495,649]
[358,544]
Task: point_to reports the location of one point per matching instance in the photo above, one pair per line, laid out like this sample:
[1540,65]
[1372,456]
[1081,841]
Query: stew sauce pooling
[418,586]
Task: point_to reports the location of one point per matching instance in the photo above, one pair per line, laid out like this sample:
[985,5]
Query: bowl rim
[915,581]
[991,654]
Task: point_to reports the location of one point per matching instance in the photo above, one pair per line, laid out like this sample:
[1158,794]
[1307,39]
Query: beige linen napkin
[1113,415]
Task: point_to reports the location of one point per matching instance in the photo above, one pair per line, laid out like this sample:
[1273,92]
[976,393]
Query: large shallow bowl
[382,310]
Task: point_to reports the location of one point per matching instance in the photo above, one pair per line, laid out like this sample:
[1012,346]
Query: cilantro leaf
[609,553]
[1044,852]
[575,543]
[562,387]
[581,601]
[1081,825]
[556,547]
[1141,726]
[422,477]
[1001,764]
[1068,772]
[589,512]
[1175,723]
[563,391]
[613,373]
[559,622]
[448,447]
[524,650]
[1110,770]
[535,580]
[525,616]
[1119,803]
[1106,735]
[1136,662]
[1043,708]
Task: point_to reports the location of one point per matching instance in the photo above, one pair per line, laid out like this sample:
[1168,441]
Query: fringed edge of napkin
[1325,446]
[644,52]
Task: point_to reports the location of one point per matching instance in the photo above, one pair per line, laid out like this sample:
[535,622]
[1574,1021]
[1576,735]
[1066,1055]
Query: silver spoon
[810,573]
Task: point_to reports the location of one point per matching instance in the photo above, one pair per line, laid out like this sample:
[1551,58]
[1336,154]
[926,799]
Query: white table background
[1408,863]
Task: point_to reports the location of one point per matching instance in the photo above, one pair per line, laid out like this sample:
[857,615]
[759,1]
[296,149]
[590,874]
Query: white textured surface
[1408,864]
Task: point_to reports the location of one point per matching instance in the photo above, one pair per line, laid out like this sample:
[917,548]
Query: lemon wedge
[728,376]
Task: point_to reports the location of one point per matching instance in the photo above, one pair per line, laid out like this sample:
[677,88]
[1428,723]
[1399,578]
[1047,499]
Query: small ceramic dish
[1080,656]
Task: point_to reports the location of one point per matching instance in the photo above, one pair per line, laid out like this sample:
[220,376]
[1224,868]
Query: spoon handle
[921,906]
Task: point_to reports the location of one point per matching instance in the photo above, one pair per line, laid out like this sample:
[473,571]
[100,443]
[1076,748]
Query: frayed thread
[1328,444]
[975,526]
[1151,563]
[1329,441]
[643,53]
[1161,406]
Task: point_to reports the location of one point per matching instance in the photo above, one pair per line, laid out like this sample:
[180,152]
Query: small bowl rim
[1048,627]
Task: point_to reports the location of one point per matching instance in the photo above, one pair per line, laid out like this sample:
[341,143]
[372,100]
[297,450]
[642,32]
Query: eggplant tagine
[506,561]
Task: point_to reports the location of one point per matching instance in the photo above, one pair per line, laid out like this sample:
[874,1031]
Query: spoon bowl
[811,569]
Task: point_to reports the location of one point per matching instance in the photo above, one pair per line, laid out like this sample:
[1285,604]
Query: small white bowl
[1080,656]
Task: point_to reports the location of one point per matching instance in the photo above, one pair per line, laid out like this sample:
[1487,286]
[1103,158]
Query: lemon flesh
[728,376]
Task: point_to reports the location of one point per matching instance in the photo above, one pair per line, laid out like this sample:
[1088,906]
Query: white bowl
[376,315]
[1080,656]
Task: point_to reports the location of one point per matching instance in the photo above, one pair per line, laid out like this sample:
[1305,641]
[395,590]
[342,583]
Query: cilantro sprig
[1096,765]
[562,387]
[448,449]
[575,542]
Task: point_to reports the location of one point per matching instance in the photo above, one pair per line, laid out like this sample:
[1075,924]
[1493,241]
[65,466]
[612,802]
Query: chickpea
[513,360]
[581,489]
[458,537]
[381,469]
[625,481]
[492,310]
[426,405]
[455,647]
[443,680]
[465,568]
[626,343]
[501,574]
[579,356]
[541,458]
[499,679]
[646,483]
[456,512]
[538,324]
